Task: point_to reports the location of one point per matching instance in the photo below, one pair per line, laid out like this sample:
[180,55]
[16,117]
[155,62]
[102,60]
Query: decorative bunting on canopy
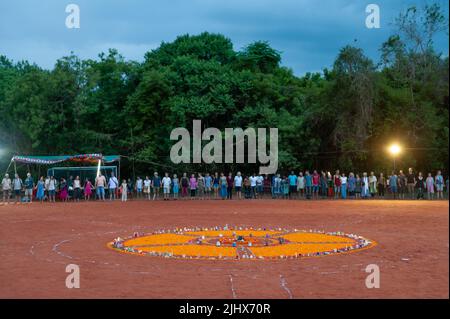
[48,160]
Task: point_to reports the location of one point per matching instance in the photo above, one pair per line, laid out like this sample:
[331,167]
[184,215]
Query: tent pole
[98,167]
[134,171]
[118,173]
[7,169]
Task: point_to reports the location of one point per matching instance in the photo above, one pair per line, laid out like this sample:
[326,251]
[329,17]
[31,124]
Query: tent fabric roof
[48,160]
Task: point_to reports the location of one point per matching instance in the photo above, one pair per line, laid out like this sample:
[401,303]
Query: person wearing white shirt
[238,184]
[113,183]
[343,186]
[260,184]
[372,184]
[52,189]
[76,189]
[6,187]
[124,188]
[301,184]
[166,181]
[147,186]
[365,186]
[46,184]
[17,185]
[253,180]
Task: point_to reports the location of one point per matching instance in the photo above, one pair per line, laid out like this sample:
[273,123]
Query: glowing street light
[394,149]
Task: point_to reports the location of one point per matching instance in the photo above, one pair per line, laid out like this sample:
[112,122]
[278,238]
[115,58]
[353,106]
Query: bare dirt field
[38,241]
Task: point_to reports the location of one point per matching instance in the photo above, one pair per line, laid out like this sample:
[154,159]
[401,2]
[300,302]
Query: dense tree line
[342,117]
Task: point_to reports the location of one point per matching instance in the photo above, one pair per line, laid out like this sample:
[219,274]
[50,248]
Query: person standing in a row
[52,189]
[223,186]
[430,186]
[420,185]
[166,183]
[6,187]
[393,184]
[439,180]
[175,186]
[147,187]
[201,186]
[29,185]
[40,189]
[17,185]
[193,186]
[76,189]
[238,185]
[124,190]
[411,182]
[184,185]
[156,183]
[113,184]
[230,182]
[381,185]
[100,183]
[402,185]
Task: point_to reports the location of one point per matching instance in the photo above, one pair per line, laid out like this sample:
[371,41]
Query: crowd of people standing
[304,185]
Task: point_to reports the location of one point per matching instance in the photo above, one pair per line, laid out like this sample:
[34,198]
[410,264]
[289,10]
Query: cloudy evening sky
[309,33]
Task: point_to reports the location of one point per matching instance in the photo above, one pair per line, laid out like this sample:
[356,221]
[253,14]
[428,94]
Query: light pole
[394,149]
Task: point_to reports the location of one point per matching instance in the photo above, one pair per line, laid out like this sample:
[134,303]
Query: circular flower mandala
[240,243]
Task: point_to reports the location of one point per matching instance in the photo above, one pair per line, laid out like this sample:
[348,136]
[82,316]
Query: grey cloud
[308,32]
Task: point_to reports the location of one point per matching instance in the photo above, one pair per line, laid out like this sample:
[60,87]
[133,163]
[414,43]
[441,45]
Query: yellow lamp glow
[395,149]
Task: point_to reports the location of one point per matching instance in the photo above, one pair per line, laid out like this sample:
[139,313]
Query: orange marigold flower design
[240,243]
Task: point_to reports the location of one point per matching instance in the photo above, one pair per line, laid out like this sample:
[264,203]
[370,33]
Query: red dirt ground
[37,241]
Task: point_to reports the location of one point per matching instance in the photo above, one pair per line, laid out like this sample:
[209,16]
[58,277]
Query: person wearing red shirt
[315,184]
[337,184]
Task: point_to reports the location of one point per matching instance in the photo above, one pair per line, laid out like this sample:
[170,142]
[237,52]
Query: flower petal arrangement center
[237,243]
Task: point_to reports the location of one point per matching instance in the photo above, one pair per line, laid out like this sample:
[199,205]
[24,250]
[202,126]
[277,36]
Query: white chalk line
[56,246]
[233,291]
[283,285]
